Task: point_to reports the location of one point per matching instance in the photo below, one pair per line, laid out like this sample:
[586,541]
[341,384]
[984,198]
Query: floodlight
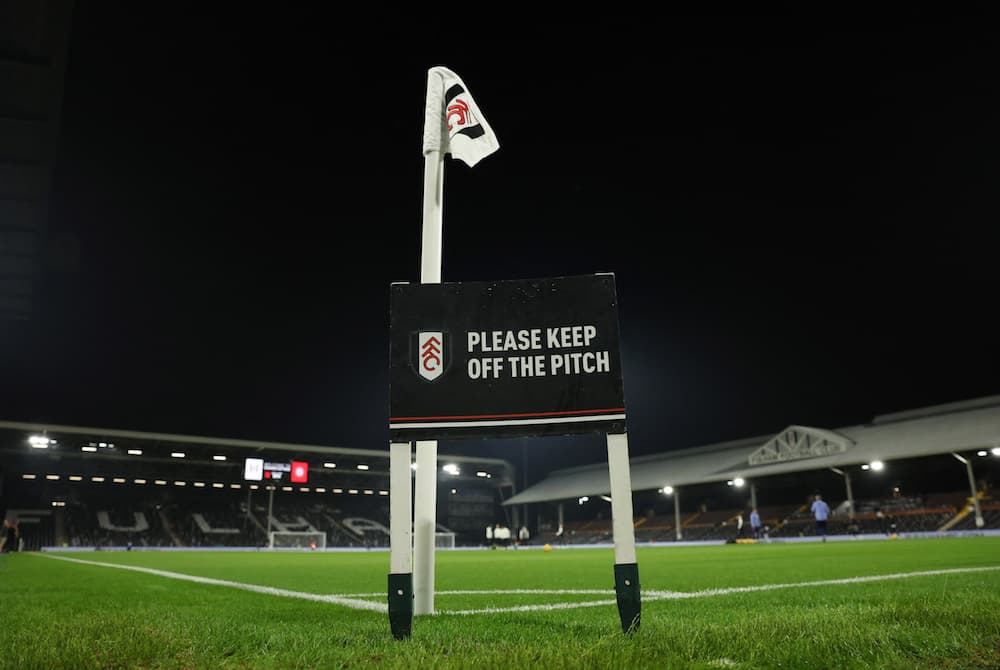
[995,451]
[38,442]
[134,452]
[738,481]
[451,469]
[177,454]
[91,449]
[667,490]
[329,465]
[877,465]
[218,457]
[362,466]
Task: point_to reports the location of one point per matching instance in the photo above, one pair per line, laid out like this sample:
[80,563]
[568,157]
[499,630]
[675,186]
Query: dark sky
[801,217]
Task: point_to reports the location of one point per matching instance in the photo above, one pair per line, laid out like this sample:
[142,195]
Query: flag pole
[425,504]
[474,140]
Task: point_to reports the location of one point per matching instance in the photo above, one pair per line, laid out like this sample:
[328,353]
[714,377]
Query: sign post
[626,568]
[400,538]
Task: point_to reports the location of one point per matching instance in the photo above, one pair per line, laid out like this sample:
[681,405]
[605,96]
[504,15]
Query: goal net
[444,540]
[287,539]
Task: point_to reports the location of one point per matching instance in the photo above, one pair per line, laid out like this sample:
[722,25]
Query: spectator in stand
[489,537]
[754,524]
[821,512]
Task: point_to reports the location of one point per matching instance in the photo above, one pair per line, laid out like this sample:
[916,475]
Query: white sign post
[626,568]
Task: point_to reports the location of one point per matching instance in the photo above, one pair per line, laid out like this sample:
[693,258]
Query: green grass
[57,614]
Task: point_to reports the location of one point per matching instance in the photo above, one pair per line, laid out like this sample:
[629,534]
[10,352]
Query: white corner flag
[452,120]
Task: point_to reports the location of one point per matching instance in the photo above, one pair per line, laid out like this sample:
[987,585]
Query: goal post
[444,540]
[287,539]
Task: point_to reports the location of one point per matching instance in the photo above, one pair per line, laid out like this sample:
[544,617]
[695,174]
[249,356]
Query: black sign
[505,359]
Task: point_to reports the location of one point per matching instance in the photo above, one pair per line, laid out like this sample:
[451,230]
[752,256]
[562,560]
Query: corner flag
[452,120]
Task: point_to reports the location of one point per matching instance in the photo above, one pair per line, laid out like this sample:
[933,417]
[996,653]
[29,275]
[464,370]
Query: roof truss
[798,442]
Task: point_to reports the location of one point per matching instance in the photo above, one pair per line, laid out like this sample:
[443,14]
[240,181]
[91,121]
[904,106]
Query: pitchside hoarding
[502,359]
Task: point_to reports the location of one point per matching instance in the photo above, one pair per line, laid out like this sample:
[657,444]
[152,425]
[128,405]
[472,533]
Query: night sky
[801,218]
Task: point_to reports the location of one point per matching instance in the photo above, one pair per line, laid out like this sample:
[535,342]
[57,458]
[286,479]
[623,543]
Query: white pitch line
[501,592]
[679,595]
[267,590]
[352,600]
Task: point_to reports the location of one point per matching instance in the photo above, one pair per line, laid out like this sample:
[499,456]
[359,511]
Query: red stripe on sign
[577,412]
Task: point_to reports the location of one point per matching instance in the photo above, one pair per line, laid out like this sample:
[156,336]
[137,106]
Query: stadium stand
[885,516]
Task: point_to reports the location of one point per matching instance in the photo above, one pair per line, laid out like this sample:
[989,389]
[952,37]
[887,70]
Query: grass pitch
[696,613]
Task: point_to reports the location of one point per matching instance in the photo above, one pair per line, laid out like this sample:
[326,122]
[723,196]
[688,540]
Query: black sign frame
[505,359]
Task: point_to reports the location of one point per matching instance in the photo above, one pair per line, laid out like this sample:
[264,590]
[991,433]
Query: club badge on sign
[430,357]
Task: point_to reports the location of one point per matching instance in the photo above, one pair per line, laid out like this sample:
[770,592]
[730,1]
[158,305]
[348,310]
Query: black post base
[627,594]
[401,605]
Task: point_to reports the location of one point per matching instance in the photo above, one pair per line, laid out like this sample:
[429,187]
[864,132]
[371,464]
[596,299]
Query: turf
[58,614]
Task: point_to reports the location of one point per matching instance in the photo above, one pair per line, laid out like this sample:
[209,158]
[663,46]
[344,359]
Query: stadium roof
[941,429]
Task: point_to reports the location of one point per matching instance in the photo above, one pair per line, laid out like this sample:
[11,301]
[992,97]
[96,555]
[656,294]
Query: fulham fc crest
[429,354]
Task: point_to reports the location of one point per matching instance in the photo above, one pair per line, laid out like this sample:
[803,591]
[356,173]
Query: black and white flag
[452,120]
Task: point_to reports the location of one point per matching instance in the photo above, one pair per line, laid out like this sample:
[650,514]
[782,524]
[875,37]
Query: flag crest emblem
[452,120]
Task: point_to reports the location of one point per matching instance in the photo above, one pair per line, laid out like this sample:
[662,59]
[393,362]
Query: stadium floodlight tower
[676,493]
[496,359]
